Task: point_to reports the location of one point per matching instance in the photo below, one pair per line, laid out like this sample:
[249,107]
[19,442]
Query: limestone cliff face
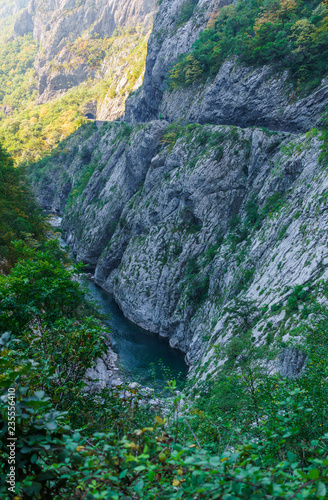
[166,225]
[11,7]
[246,97]
[57,25]
[170,38]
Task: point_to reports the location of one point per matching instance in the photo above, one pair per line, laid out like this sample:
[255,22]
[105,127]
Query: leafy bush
[172,134]
[273,204]
[21,218]
[38,291]
[246,435]
[186,12]
[86,155]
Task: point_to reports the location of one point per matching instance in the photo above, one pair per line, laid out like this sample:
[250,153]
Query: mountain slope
[62,63]
[74,35]
[181,223]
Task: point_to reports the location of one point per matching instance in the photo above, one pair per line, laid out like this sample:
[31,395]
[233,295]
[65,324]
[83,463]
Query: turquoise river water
[143,357]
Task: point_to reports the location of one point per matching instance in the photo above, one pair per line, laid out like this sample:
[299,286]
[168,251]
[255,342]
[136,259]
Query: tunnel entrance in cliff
[90,116]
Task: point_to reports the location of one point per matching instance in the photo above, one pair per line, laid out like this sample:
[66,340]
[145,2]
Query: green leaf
[138,487]
[151,475]
[291,457]
[321,490]
[51,425]
[314,474]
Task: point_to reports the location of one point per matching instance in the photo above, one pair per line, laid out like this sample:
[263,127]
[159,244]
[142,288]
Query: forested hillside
[21,217]
[290,35]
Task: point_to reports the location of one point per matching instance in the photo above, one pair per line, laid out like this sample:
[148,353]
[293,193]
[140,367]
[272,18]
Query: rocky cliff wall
[11,7]
[184,224]
[205,212]
[171,37]
[58,25]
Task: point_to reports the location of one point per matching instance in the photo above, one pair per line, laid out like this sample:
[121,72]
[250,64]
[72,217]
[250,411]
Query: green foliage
[86,155]
[244,278]
[36,423]
[288,33]
[172,134]
[212,250]
[247,435]
[38,291]
[297,301]
[298,297]
[125,131]
[240,231]
[45,358]
[82,182]
[323,158]
[196,285]
[252,211]
[17,75]
[21,218]
[88,51]
[273,204]
[246,314]
[219,154]
[186,11]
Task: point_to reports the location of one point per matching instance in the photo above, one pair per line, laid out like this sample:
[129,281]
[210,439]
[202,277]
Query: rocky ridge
[238,95]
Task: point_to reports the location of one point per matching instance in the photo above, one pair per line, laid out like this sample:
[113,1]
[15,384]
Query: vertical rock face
[247,97]
[184,228]
[57,25]
[11,7]
[24,24]
[291,363]
[172,36]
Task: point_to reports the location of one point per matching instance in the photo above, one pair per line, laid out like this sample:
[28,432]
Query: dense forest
[246,434]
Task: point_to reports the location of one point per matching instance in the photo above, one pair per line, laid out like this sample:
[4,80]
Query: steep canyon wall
[205,213]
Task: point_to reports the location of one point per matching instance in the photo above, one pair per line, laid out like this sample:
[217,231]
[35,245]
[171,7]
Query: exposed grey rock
[163,218]
[104,373]
[20,4]
[239,95]
[57,25]
[6,11]
[24,24]
[12,7]
[153,223]
[247,97]
[291,363]
[167,42]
